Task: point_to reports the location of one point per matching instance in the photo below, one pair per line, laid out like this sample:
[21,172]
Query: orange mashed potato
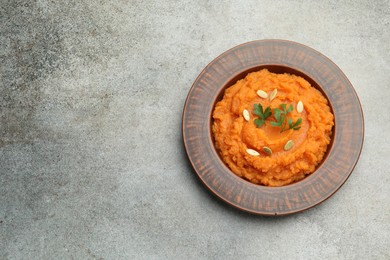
[234,135]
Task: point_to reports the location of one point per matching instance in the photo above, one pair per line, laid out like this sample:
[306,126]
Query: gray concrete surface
[91,158]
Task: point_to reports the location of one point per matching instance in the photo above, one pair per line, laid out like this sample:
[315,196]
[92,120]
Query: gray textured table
[92,164]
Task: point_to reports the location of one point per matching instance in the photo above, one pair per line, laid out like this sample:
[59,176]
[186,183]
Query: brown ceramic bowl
[277,56]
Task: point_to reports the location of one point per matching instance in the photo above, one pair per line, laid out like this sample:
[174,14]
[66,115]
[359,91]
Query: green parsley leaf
[277,113]
[276,123]
[259,122]
[258,109]
[290,123]
[298,122]
[263,114]
[267,112]
[290,108]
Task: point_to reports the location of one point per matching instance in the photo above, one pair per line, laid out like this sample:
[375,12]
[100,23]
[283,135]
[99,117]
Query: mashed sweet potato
[234,135]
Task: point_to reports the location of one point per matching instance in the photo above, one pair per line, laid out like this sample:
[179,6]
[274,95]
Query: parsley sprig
[280,115]
[263,114]
[282,120]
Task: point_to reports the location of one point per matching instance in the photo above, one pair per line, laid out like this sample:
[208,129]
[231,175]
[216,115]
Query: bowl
[278,56]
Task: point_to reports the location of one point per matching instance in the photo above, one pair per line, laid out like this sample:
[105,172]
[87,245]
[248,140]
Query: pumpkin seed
[267,150]
[262,94]
[273,94]
[252,152]
[245,113]
[288,145]
[300,107]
